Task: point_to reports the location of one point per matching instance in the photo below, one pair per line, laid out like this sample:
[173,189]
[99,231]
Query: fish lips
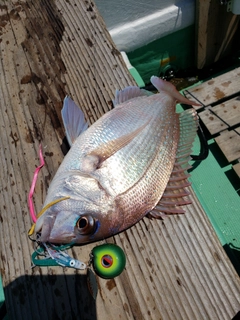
[64,229]
[69,227]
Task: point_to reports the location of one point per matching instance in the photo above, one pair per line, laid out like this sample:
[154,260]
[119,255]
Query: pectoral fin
[95,158]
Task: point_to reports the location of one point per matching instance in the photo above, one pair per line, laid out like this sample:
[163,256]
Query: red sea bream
[130,163]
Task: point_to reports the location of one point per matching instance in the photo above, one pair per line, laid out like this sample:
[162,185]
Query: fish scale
[144,196]
[117,170]
[113,175]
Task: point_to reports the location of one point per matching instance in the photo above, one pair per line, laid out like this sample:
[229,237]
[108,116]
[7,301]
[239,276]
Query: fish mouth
[51,235]
[51,228]
[44,227]
[67,227]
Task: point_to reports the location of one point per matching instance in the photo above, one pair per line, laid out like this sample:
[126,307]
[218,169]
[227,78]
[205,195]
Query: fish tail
[169,88]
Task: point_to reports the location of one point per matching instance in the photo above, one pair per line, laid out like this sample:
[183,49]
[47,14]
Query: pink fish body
[130,163]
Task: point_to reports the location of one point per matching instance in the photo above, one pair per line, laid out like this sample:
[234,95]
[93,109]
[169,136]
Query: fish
[131,163]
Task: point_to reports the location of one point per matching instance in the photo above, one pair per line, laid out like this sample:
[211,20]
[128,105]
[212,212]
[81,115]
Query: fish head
[78,223]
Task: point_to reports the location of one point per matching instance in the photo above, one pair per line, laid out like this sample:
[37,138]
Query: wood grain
[229,111]
[213,123]
[229,142]
[215,89]
[220,112]
[176,268]
[222,116]
[216,30]
[236,168]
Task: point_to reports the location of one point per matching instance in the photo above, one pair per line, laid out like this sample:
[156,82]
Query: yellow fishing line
[30,232]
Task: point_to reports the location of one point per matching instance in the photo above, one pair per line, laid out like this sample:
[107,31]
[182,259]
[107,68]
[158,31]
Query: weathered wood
[225,112]
[229,142]
[211,121]
[236,168]
[176,268]
[222,116]
[215,28]
[218,88]
[229,111]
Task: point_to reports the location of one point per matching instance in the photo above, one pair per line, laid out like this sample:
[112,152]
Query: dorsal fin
[129,93]
[73,120]
[175,194]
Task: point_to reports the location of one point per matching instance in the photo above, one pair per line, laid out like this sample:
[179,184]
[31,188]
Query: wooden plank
[212,122]
[176,268]
[229,111]
[236,168]
[216,89]
[229,142]
[222,116]
[215,28]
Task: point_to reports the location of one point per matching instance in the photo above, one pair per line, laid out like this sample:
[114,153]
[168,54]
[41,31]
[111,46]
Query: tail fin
[73,120]
[171,90]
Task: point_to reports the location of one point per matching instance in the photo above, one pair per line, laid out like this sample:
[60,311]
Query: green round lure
[108,260]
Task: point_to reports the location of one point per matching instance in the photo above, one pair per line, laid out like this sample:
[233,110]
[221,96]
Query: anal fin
[175,195]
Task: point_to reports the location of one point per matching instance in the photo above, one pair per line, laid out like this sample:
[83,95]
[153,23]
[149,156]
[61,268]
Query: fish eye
[86,224]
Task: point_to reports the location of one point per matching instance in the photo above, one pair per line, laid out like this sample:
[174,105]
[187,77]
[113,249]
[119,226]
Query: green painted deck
[216,180]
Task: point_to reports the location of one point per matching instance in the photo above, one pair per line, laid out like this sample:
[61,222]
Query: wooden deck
[220,112]
[176,268]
